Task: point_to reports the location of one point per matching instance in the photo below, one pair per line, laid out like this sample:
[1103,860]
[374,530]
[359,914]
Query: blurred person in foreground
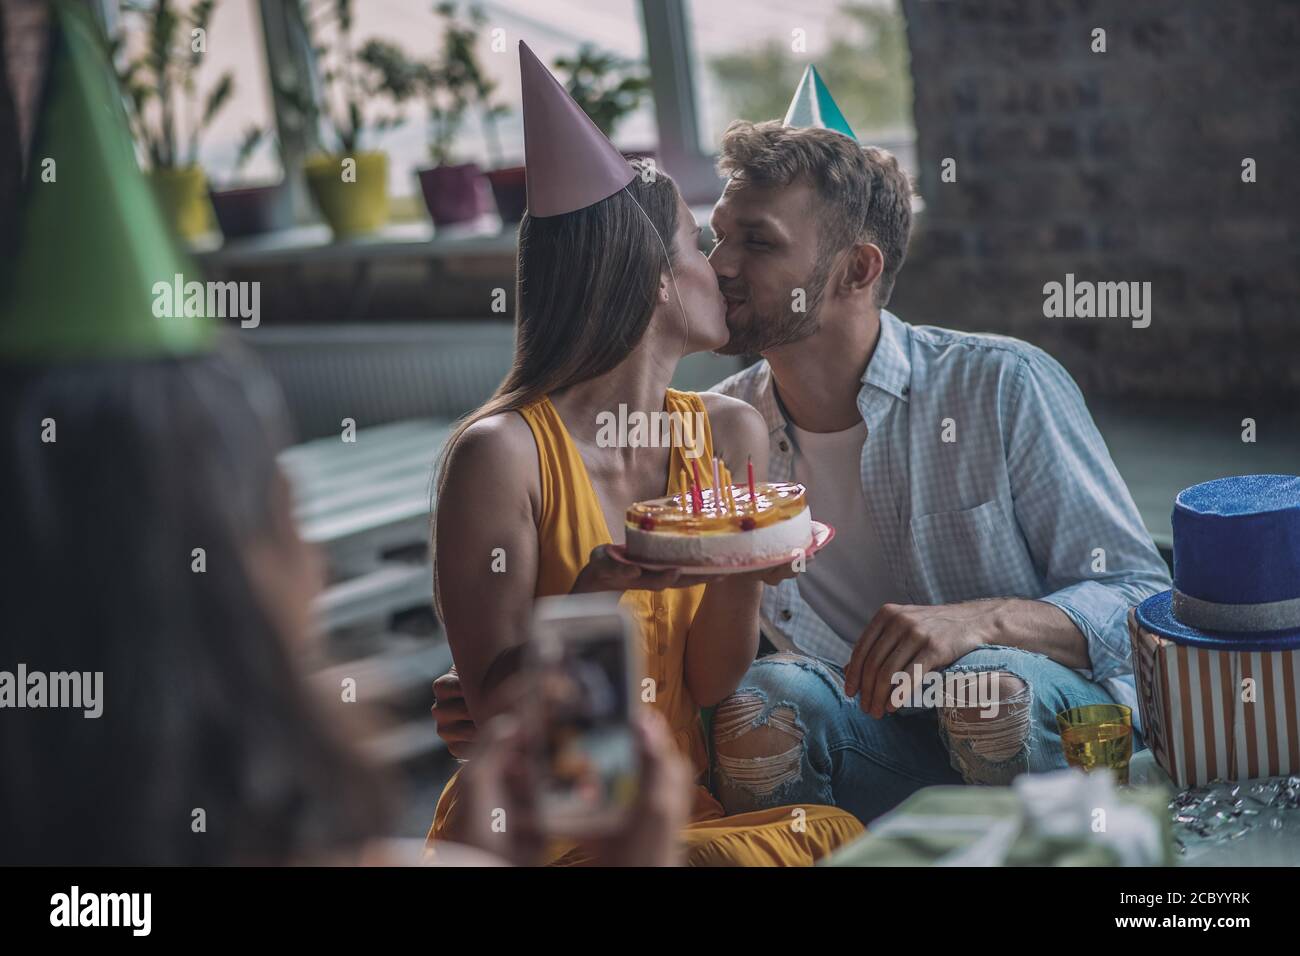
[165,717]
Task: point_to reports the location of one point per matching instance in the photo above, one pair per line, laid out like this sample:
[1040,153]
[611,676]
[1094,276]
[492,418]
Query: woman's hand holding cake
[604,573]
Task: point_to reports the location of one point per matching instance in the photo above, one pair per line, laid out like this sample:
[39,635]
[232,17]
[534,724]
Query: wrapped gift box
[991,826]
[1199,719]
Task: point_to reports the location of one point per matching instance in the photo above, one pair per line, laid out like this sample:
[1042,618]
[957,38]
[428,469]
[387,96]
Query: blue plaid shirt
[1022,501]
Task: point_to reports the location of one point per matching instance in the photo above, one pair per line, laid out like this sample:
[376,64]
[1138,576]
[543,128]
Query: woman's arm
[723,639]
[488,503]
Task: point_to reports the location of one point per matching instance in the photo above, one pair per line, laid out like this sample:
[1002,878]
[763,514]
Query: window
[558,28]
[233,46]
[750,54]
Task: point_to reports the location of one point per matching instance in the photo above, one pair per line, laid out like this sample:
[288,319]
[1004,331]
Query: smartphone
[584,666]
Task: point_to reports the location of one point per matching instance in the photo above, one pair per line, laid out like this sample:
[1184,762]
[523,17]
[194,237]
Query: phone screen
[584,693]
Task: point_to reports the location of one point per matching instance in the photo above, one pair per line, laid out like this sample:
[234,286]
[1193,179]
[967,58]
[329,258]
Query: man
[982,529]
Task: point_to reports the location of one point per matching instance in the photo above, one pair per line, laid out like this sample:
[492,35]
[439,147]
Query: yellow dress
[572,524]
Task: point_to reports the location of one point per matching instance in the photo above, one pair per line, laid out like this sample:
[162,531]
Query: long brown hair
[584,296]
[205,703]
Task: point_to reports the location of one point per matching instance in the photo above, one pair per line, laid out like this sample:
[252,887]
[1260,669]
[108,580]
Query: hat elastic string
[686,327]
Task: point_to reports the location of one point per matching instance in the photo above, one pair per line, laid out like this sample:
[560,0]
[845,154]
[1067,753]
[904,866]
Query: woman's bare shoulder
[735,420]
[495,451]
[728,407]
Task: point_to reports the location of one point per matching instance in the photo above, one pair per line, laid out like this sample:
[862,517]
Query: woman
[149,552]
[152,542]
[151,568]
[603,307]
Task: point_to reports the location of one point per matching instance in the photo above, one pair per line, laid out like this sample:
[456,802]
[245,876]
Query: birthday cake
[721,527]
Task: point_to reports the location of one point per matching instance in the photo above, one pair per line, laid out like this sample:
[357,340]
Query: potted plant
[249,210]
[350,185]
[155,82]
[509,191]
[606,86]
[457,192]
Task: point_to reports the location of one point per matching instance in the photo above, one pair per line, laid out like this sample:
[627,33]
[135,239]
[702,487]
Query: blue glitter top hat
[1236,567]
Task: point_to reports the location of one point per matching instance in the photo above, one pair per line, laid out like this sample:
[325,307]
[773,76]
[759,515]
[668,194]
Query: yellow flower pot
[353,201]
[183,195]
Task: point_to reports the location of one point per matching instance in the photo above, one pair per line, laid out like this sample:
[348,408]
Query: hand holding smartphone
[584,671]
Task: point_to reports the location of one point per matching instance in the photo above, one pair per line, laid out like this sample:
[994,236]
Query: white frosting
[773,541]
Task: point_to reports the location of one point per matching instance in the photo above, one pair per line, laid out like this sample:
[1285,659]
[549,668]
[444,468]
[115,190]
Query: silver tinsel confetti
[1223,811]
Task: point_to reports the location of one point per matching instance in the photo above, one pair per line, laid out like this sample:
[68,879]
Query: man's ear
[865,264]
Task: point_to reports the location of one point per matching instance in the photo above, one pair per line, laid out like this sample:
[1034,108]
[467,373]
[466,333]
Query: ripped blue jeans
[818,747]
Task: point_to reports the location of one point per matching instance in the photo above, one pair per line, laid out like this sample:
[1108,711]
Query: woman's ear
[663,288]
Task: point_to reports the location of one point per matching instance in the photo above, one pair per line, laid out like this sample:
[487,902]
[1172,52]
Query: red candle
[697,499]
[753,497]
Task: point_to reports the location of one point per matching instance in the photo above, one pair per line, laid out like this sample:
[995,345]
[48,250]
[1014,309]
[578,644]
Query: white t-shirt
[848,582]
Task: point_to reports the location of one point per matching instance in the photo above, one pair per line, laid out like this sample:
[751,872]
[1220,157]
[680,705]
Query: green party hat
[814,106]
[92,240]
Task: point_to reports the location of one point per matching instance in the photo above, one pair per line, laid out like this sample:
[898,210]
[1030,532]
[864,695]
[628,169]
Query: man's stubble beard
[764,332]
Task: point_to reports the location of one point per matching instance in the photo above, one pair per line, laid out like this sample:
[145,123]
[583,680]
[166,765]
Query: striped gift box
[1211,714]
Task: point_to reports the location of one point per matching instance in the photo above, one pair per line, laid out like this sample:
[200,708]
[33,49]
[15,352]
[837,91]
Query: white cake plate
[822,535]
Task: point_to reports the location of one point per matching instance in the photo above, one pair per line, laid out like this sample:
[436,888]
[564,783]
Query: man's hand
[900,636]
[451,714]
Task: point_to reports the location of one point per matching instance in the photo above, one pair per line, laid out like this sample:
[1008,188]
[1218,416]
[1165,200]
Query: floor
[1161,449]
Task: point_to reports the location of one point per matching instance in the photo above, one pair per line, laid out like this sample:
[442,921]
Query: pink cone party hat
[570,164]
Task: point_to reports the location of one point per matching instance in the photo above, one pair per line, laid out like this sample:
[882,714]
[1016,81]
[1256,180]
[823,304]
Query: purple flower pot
[510,191]
[454,193]
[252,210]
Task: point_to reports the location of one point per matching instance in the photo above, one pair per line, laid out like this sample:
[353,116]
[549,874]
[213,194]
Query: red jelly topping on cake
[747,524]
[647,523]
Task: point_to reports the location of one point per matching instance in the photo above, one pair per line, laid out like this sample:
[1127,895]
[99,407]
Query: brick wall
[1116,166]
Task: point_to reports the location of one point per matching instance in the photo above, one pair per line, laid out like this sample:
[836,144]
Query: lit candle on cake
[697,497]
[753,498]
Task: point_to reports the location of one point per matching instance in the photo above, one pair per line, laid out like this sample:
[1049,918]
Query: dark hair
[865,196]
[204,706]
[585,292]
